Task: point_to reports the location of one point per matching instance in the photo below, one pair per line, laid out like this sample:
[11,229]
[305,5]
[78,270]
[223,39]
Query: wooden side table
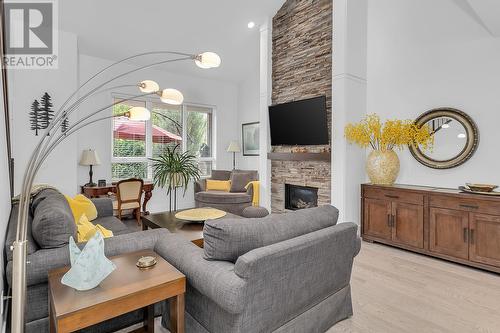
[127,289]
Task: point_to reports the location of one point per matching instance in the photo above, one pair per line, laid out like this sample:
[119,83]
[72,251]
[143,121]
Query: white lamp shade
[148,86]
[90,157]
[234,147]
[172,96]
[208,60]
[139,113]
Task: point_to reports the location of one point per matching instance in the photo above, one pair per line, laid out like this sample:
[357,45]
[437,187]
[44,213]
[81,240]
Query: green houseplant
[173,169]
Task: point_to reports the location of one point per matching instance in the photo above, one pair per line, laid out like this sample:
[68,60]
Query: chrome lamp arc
[52,137]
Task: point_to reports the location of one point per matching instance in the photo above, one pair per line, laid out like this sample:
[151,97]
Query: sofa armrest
[200,185]
[104,206]
[42,261]
[214,279]
[329,251]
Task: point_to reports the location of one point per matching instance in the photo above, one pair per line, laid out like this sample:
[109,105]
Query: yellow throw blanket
[256,194]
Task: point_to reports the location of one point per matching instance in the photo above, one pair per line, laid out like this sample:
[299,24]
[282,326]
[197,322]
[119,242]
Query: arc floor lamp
[52,137]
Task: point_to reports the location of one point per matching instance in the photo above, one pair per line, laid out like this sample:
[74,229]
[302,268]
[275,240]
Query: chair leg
[138,216]
[119,214]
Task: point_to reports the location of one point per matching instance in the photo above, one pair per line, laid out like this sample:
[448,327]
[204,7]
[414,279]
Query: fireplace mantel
[325,156]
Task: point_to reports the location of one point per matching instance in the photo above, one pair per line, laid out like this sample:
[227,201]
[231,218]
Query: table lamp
[90,158]
[234,148]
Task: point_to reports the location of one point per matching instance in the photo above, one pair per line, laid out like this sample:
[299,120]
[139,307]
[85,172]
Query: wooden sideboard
[439,222]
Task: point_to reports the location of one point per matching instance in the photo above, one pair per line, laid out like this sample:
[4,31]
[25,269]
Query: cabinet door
[484,239]
[376,219]
[449,232]
[408,224]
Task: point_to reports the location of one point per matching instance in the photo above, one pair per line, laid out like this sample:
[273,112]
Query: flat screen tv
[299,123]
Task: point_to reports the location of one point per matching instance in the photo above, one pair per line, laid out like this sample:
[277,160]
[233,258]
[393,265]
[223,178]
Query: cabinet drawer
[394,195]
[465,204]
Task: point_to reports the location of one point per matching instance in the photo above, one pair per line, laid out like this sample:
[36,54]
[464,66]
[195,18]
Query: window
[189,127]
[199,136]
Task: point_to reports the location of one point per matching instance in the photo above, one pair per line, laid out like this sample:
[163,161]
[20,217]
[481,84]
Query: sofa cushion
[222,197]
[81,205]
[227,239]
[218,185]
[114,224]
[240,179]
[32,246]
[53,221]
[220,175]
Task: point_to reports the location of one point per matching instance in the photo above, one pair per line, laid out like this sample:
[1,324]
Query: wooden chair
[128,195]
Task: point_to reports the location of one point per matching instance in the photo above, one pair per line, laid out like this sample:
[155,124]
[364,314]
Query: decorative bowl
[481,187]
[146,262]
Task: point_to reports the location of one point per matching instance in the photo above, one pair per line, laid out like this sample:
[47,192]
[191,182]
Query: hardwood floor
[398,291]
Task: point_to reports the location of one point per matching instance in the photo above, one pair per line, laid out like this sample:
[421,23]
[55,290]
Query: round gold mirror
[456,138]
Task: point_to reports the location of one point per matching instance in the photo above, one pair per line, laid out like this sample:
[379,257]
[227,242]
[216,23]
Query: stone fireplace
[302,68]
[300,197]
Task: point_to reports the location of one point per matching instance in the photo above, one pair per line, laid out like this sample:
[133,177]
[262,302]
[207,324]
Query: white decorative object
[89,266]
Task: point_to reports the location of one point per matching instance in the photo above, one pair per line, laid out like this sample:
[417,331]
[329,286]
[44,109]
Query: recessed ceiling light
[461,136]
[445,126]
[251,25]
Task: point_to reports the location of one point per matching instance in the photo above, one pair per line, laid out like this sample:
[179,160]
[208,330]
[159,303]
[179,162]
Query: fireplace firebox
[300,197]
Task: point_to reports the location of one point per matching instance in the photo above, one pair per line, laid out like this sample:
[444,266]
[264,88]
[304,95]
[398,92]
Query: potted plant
[172,170]
[382,164]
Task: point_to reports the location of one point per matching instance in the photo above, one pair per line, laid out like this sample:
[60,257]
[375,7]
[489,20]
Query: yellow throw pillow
[86,229]
[218,185]
[80,205]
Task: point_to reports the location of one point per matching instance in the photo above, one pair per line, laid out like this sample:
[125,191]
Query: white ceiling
[114,29]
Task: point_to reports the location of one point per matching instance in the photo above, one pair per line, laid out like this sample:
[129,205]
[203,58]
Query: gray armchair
[234,201]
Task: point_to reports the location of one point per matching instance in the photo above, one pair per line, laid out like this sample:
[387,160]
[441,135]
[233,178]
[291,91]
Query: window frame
[148,103]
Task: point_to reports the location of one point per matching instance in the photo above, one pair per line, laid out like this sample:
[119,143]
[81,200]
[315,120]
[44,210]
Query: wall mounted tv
[301,122]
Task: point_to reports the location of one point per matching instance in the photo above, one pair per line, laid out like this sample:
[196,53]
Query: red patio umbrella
[136,130]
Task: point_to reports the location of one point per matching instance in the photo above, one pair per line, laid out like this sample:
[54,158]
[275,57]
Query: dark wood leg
[177,314]
[149,318]
[147,196]
[52,325]
[138,216]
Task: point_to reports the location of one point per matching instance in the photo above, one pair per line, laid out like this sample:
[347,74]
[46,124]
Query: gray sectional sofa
[282,273]
[234,201]
[51,208]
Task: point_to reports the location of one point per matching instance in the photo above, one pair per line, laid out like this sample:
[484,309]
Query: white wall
[25,85]
[220,94]
[427,54]
[265,90]
[349,104]
[248,112]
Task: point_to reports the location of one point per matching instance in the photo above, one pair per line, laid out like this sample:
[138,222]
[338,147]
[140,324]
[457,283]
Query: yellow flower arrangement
[392,134]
